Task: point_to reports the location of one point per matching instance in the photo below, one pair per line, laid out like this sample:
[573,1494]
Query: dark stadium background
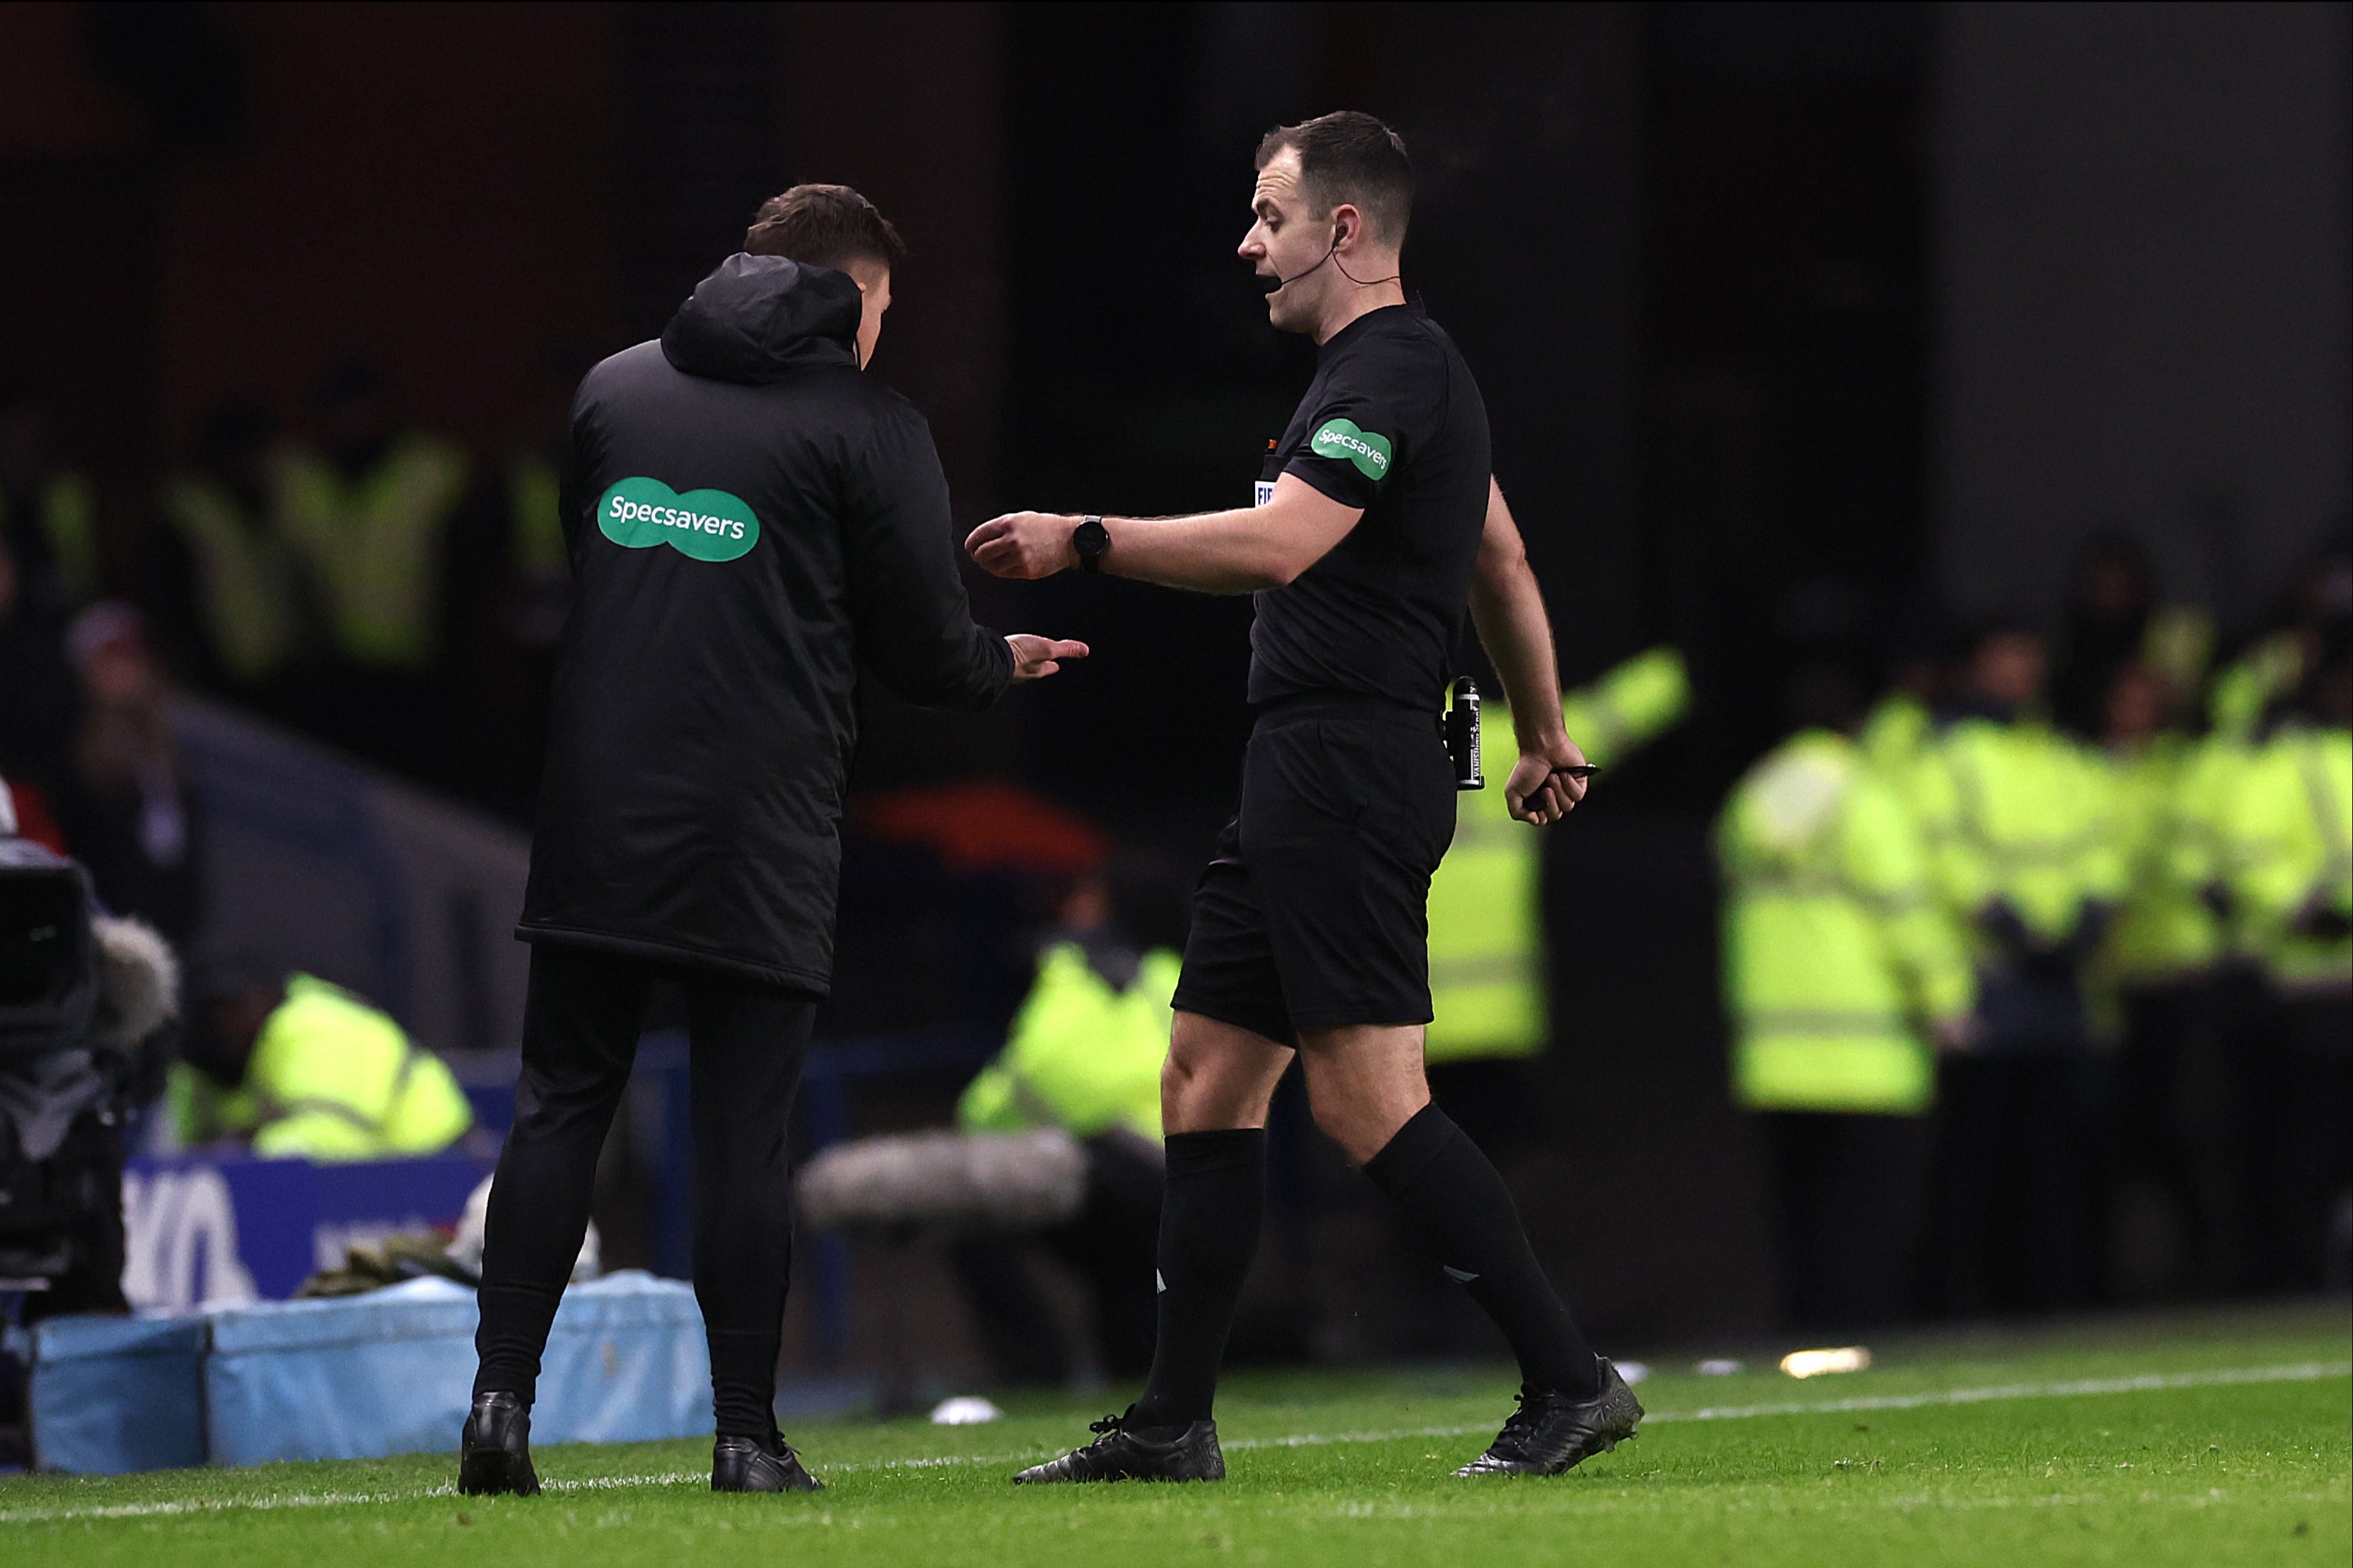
[1752,323]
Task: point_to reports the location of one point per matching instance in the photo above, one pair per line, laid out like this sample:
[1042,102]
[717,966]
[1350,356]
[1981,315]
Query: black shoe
[1121,1455]
[494,1449]
[1551,1431]
[747,1465]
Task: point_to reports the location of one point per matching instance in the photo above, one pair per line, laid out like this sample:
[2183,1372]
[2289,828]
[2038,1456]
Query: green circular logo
[1342,438]
[709,525]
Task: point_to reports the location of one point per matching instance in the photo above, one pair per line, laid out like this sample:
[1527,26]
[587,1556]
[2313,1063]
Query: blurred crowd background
[1930,423]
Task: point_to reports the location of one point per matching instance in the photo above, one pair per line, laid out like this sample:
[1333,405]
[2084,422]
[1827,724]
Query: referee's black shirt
[1394,423]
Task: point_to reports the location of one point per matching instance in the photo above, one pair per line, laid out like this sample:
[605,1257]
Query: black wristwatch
[1090,538]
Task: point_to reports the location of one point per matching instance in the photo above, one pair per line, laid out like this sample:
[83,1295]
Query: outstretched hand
[1035,657]
[1026,544]
[1539,792]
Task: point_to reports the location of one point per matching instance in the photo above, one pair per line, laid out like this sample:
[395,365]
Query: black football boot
[1551,1431]
[747,1464]
[1122,1455]
[495,1449]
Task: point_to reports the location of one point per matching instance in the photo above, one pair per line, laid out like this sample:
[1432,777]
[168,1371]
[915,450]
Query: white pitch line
[2146,1383]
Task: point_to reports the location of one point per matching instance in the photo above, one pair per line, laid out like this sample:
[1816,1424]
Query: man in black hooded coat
[750,522]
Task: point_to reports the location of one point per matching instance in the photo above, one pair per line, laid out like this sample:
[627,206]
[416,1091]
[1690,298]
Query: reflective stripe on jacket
[1082,1054]
[1835,952]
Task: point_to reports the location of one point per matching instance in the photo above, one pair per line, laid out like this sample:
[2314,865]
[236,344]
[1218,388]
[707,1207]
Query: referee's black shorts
[1316,912]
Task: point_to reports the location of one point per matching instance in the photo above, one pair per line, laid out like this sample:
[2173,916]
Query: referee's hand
[1538,792]
[1024,544]
[1035,657]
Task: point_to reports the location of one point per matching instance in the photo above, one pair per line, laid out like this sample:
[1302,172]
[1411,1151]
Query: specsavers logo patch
[709,525]
[1341,438]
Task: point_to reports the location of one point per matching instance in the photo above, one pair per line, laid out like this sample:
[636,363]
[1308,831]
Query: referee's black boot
[748,1465]
[1551,1431]
[1126,1454]
[494,1449]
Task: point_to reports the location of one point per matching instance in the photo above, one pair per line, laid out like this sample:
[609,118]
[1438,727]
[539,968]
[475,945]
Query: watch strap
[1089,539]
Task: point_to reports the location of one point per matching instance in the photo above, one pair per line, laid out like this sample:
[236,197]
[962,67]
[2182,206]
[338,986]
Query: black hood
[760,318]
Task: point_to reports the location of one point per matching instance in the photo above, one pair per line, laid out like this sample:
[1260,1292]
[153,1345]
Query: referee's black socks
[1209,1219]
[1458,1212]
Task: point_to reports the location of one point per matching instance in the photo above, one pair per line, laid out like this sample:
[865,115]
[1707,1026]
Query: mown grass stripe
[2144,1382]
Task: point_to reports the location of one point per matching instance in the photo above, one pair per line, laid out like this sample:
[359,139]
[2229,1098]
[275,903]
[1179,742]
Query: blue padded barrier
[627,1362]
[391,1372]
[110,1396]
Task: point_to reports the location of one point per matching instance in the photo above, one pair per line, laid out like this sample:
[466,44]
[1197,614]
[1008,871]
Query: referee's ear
[1348,228]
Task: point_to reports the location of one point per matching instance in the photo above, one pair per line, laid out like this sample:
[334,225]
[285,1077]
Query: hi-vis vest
[1082,1056]
[374,545]
[1486,923]
[2286,832]
[2017,812]
[2163,929]
[330,1078]
[244,572]
[66,514]
[2246,686]
[1835,953]
[535,502]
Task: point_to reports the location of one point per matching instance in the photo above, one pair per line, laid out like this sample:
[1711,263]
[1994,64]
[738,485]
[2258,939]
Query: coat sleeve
[912,622]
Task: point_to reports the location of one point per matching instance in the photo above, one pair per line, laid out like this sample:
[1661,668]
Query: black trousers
[1112,1242]
[2011,1224]
[2295,1073]
[580,1029]
[1849,1196]
[2167,1152]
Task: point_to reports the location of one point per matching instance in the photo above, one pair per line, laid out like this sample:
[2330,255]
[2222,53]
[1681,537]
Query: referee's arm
[1238,552]
[1508,609]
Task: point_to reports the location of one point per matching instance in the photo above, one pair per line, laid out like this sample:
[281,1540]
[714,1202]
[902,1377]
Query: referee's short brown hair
[824,225]
[1351,157]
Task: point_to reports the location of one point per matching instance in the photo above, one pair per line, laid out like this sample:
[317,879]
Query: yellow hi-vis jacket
[66,514]
[374,545]
[2164,930]
[1082,1054]
[1486,918]
[2242,689]
[244,571]
[330,1079]
[2285,838]
[534,501]
[1895,734]
[2017,812]
[1835,953]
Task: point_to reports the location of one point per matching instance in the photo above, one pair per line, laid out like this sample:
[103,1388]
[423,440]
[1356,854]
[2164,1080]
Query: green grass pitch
[2191,1439]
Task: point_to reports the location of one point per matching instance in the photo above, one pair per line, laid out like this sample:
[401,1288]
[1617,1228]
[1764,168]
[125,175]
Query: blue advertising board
[217,1229]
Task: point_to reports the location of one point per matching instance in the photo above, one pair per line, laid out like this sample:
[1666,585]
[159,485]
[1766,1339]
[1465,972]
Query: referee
[750,522]
[1376,519]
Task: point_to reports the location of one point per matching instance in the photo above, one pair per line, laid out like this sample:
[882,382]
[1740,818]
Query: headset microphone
[1339,233]
[1280,282]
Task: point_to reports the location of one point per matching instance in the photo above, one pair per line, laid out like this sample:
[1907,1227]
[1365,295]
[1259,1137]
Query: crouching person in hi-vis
[302,1070]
